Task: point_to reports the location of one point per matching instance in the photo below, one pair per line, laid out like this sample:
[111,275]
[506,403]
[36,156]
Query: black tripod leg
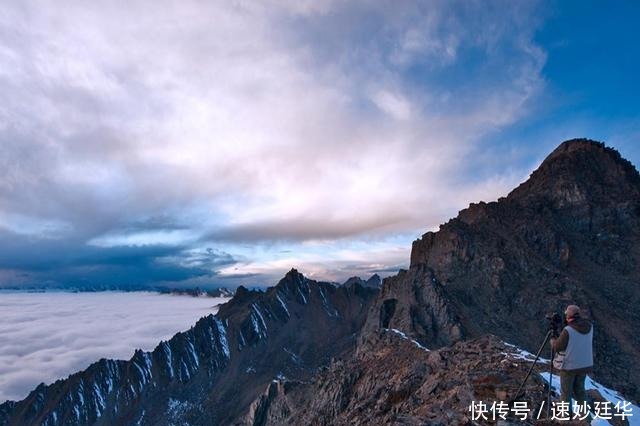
[550,379]
[546,339]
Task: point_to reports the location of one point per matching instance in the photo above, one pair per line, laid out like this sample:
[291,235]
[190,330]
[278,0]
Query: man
[574,359]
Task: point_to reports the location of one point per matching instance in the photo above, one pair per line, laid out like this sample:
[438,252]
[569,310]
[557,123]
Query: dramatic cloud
[218,125]
[47,336]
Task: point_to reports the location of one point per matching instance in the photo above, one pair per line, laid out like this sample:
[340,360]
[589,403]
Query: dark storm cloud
[304,229]
[59,262]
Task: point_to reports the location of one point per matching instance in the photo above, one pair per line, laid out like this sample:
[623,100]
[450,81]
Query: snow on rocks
[608,394]
[222,337]
[404,336]
[520,354]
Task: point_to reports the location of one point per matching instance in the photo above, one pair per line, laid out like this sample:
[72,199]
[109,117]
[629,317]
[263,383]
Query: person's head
[572,312]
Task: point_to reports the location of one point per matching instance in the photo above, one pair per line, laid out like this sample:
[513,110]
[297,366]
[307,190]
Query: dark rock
[391,380]
[569,234]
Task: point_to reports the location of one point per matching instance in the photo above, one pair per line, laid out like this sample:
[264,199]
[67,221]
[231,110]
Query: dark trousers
[572,386]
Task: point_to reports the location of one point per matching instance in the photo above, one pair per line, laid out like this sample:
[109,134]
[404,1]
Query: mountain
[211,373]
[569,234]
[416,351]
[430,345]
[197,292]
[373,282]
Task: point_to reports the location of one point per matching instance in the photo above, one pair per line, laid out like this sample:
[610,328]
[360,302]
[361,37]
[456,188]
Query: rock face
[211,373]
[569,234]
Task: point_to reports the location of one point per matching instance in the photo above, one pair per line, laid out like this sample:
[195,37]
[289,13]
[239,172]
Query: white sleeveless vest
[579,351]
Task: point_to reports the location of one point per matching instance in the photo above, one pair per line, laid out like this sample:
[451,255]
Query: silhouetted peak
[294,284]
[580,172]
[293,274]
[291,278]
[352,281]
[374,281]
[578,144]
[580,151]
[241,293]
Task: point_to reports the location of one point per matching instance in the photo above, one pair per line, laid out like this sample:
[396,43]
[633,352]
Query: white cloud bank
[47,336]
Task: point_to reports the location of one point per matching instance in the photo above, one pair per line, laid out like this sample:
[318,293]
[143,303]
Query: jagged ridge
[213,371]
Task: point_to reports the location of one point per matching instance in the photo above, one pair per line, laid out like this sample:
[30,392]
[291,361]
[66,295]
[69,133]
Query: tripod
[551,333]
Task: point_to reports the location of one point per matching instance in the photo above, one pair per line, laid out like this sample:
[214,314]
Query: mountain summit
[569,234]
[581,172]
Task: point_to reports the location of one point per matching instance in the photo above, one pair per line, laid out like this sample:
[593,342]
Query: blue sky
[223,143]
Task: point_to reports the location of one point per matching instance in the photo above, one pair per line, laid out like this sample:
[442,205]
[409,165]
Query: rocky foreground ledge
[392,379]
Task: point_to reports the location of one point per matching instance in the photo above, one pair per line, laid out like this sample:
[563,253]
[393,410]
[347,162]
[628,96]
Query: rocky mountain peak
[579,172]
[572,146]
[293,274]
[242,293]
[373,282]
[295,285]
[569,234]
[293,278]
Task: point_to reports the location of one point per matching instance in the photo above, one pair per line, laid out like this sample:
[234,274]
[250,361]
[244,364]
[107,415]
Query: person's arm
[560,344]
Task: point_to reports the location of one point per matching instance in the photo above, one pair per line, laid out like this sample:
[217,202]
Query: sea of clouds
[47,336]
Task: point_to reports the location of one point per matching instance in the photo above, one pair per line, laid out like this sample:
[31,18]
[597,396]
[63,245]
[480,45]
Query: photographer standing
[574,355]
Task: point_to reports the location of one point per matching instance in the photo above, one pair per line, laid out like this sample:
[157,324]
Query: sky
[47,336]
[191,143]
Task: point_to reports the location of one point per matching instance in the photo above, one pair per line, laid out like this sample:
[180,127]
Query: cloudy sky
[223,142]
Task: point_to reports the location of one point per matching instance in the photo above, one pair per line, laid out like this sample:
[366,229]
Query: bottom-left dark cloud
[28,262]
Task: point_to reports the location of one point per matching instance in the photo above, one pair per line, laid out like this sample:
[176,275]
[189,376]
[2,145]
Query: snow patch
[241,342]
[521,354]
[257,321]
[332,312]
[167,351]
[608,394]
[404,336]
[222,333]
[284,305]
[295,358]
[192,351]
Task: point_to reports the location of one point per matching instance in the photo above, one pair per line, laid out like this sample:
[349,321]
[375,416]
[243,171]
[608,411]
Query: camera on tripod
[555,324]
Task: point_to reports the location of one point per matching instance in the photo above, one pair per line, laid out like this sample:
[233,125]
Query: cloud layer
[47,336]
[217,125]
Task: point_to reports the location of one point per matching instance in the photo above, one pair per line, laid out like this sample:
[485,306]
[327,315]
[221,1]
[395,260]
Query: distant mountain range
[416,350]
[197,292]
[125,288]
